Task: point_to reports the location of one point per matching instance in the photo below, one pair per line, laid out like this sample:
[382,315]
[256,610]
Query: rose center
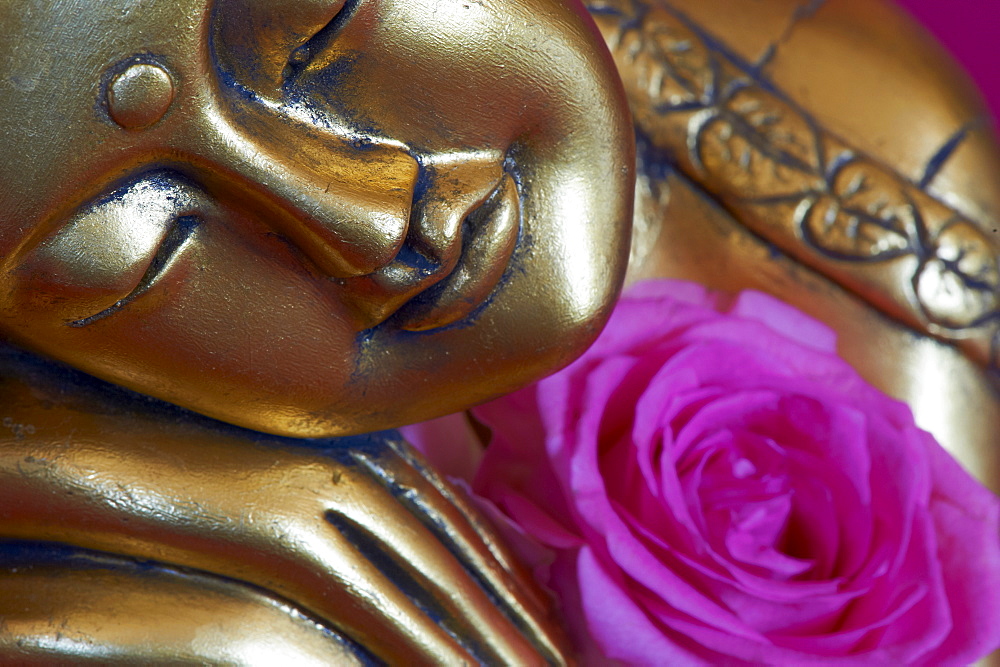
[744,495]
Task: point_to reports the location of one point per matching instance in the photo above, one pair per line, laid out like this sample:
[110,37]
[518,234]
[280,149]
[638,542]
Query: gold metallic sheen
[101,615]
[312,218]
[223,521]
[285,215]
[800,172]
[305,218]
[139,96]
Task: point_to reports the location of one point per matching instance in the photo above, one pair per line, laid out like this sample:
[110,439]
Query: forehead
[55,56]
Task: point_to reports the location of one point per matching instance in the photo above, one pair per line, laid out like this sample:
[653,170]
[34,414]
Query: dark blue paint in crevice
[60,383]
[300,59]
[437,524]
[941,157]
[17,555]
[179,232]
[415,590]
[101,109]
[804,11]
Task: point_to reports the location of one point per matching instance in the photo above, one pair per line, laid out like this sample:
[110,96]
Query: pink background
[971,30]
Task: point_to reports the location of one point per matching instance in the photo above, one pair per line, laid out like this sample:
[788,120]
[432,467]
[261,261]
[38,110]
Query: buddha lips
[715,484]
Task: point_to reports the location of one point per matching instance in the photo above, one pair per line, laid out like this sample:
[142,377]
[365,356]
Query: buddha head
[310,217]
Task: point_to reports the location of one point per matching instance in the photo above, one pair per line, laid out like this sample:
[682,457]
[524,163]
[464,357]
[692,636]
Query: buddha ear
[257,41]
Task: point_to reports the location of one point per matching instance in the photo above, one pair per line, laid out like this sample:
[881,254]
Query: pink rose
[716,485]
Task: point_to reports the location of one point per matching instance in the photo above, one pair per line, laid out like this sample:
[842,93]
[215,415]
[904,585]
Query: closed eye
[180,232]
[310,53]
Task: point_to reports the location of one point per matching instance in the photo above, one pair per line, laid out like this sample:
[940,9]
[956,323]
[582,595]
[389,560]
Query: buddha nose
[344,202]
[452,186]
[450,211]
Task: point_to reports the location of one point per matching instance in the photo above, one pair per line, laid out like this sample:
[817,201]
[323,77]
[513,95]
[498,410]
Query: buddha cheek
[233,329]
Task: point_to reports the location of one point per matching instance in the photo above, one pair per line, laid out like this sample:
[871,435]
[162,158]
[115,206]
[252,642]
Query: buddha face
[310,217]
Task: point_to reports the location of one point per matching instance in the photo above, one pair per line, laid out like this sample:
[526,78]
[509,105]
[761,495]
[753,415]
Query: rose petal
[722,487]
[535,521]
[625,632]
[967,526]
[448,443]
[784,320]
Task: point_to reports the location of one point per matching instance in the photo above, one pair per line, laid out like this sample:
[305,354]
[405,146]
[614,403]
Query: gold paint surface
[302,218]
[139,96]
[105,614]
[287,215]
[320,217]
[359,538]
[800,172]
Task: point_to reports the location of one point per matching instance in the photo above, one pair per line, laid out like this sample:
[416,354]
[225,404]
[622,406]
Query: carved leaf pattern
[672,66]
[866,216]
[959,284]
[735,133]
[681,74]
[757,145]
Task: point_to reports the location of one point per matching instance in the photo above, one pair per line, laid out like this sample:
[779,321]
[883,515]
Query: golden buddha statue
[300,219]
[361,216]
[238,233]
